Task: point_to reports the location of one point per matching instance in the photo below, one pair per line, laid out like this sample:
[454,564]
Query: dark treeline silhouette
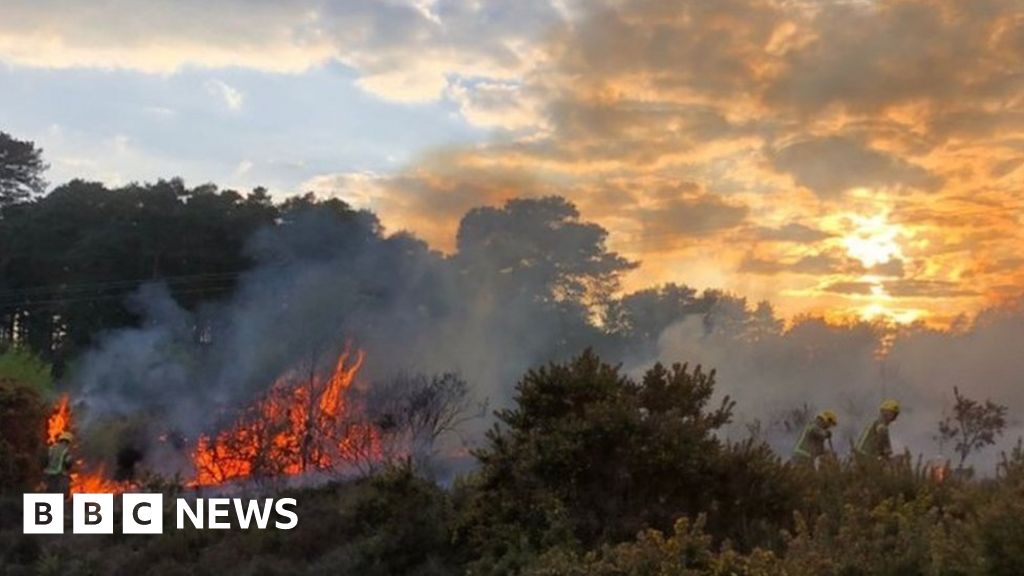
[70,257]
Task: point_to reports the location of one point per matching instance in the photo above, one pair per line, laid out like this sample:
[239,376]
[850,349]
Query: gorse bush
[589,457]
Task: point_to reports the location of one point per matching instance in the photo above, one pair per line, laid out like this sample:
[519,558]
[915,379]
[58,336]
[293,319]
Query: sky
[846,158]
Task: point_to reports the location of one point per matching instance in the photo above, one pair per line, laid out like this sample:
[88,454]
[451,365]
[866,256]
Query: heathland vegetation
[583,467]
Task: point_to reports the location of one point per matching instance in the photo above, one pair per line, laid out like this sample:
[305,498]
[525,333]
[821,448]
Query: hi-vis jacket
[59,460]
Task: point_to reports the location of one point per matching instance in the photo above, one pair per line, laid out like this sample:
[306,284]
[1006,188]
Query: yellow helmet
[66,436]
[828,418]
[890,406]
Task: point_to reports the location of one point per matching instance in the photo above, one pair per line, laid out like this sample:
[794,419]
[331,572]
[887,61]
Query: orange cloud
[853,158]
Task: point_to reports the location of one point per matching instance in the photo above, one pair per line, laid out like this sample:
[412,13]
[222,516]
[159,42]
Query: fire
[301,424]
[59,421]
[81,482]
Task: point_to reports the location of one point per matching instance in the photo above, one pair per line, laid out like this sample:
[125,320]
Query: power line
[105,285]
[36,304]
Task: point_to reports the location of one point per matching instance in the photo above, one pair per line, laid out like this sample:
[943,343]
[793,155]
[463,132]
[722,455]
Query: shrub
[589,457]
[688,551]
[22,427]
[21,366]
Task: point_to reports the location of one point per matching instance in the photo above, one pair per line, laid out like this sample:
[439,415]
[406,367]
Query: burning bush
[301,424]
[84,478]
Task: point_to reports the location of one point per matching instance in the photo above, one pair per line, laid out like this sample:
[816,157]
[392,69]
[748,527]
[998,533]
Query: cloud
[851,287]
[870,57]
[683,211]
[774,122]
[160,36]
[232,97]
[498,104]
[814,264]
[927,289]
[791,232]
[830,166]
[400,50]
[893,267]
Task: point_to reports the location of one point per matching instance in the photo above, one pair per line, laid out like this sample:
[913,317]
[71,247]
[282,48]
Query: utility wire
[93,286]
[35,304]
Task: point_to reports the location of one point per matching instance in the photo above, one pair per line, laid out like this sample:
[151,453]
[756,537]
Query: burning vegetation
[302,424]
[84,479]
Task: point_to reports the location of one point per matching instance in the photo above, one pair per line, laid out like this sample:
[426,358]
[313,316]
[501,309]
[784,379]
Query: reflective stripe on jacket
[874,440]
[812,442]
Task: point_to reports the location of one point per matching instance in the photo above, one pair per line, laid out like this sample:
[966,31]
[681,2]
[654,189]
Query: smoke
[851,368]
[675,125]
[513,296]
[326,278]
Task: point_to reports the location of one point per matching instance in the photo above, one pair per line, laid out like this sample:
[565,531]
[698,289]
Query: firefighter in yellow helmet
[874,441]
[57,473]
[816,440]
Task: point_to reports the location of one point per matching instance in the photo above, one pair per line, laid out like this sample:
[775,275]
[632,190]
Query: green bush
[688,551]
[22,429]
[25,368]
[589,457]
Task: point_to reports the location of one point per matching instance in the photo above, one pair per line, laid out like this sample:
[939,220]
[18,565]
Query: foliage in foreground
[583,476]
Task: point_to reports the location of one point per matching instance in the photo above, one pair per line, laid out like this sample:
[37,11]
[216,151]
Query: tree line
[70,256]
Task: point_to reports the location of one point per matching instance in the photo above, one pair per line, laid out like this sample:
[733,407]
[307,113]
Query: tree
[972,426]
[21,169]
[68,260]
[539,249]
[538,274]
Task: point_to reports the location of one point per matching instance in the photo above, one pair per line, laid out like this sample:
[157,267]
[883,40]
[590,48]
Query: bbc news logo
[144,513]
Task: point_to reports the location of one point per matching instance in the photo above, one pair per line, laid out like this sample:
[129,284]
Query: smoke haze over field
[629,175]
[839,367]
[510,298]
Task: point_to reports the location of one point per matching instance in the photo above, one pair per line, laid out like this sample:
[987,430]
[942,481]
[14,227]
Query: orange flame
[299,425]
[81,482]
[60,420]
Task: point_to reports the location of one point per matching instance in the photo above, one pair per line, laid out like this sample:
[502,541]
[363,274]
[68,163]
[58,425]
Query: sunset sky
[853,158]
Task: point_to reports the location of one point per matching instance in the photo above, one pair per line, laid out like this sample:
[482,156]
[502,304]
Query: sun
[873,240]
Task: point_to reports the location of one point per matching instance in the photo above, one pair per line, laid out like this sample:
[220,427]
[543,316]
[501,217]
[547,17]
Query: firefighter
[57,473]
[816,441]
[874,441]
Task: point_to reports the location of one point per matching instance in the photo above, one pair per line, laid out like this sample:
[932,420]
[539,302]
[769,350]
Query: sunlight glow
[874,241]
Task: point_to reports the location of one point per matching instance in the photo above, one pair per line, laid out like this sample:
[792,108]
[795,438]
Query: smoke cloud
[523,288]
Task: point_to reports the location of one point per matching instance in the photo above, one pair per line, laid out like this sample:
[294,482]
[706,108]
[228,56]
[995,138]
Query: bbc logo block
[43,513]
[144,513]
[93,513]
